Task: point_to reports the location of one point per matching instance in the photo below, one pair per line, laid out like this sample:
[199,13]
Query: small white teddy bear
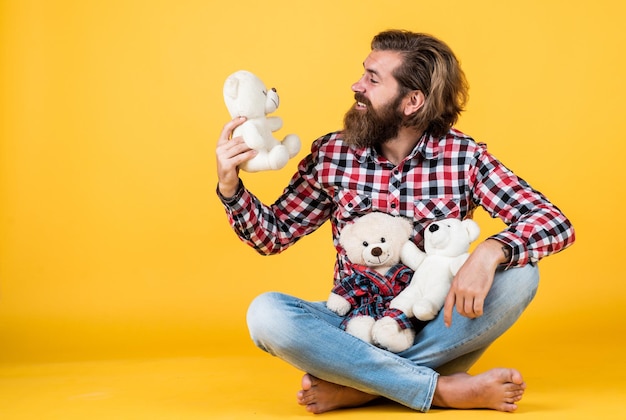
[374,244]
[446,243]
[245,95]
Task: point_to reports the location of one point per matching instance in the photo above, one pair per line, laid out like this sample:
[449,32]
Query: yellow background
[112,241]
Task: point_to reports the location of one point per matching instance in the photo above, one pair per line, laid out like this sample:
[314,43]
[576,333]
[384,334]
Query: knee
[259,314]
[527,278]
[265,319]
[517,286]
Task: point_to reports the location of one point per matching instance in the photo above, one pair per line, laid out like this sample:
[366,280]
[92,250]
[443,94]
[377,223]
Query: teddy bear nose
[377,252]
[433,227]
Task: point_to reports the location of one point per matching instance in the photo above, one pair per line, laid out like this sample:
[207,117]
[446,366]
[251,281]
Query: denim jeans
[307,335]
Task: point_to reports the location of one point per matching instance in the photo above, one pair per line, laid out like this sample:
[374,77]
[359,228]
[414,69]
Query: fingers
[477,307]
[227,131]
[467,305]
[232,148]
[231,152]
[447,308]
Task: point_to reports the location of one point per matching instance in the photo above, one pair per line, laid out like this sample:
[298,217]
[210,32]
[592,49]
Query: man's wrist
[506,250]
[499,253]
[229,194]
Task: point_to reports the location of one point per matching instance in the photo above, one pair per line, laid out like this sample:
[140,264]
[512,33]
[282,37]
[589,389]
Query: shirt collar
[427,146]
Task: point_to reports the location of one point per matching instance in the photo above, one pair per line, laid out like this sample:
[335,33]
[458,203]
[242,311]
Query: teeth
[361,104]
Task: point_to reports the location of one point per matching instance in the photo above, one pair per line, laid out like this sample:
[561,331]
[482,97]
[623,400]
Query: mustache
[359,97]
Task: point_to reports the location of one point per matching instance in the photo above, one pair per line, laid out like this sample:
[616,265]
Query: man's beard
[371,128]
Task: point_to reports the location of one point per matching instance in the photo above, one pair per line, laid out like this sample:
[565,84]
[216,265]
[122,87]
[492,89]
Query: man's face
[378,112]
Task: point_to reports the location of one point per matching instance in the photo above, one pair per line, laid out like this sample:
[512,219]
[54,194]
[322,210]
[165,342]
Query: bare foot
[498,389]
[319,396]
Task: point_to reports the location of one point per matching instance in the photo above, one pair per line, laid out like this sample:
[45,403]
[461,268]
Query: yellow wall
[112,242]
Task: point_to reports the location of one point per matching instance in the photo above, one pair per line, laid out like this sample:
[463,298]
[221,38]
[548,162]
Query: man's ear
[413,102]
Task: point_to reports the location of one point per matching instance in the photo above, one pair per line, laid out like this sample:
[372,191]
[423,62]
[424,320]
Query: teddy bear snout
[377,251]
[272,101]
[433,227]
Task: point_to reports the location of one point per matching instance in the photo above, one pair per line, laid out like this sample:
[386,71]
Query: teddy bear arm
[338,304]
[405,299]
[274,123]
[411,255]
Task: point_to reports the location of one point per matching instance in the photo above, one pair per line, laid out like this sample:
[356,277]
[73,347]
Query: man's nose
[358,86]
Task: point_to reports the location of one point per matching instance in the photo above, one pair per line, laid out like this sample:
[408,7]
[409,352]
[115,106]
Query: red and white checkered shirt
[442,177]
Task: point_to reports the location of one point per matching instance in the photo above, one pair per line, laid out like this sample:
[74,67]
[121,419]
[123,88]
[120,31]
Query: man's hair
[430,66]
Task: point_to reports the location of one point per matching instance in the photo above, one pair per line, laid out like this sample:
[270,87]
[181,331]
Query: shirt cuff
[229,201]
[518,254]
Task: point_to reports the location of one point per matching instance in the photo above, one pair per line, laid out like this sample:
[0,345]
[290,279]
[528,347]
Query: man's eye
[373,81]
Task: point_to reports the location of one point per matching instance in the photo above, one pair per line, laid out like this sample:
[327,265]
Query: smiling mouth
[361,101]
[378,260]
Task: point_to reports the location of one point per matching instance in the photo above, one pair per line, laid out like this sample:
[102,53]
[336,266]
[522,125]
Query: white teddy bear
[447,244]
[245,95]
[374,244]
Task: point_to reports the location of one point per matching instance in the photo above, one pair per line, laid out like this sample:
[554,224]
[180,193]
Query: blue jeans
[307,335]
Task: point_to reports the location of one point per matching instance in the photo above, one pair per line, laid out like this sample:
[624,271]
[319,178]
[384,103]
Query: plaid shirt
[442,177]
[370,293]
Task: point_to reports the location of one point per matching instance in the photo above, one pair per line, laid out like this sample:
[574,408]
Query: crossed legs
[343,371]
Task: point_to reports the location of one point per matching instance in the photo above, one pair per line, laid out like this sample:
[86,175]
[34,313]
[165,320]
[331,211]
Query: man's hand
[231,152]
[473,281]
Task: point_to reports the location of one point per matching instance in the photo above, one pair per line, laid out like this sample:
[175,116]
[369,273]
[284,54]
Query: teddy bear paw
[292,143]
[361,327]
[425,310]
[338,304]
[387,334]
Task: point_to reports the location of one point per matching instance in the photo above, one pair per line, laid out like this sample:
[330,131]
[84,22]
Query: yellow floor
[258,386]
[575,369]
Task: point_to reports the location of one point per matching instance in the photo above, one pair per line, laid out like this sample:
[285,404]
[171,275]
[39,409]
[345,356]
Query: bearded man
[400,154]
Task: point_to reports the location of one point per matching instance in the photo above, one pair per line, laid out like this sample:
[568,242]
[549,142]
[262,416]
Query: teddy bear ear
[473,230]
[345,233]
[408,227]
[231,86]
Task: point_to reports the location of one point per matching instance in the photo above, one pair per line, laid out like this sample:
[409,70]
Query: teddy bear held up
[245,95]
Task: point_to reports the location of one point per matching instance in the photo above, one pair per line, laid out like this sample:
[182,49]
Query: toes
[306,397]
[313,408]
[300,398]
[516,377]
[307,382]
[508,407]
[512,399]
